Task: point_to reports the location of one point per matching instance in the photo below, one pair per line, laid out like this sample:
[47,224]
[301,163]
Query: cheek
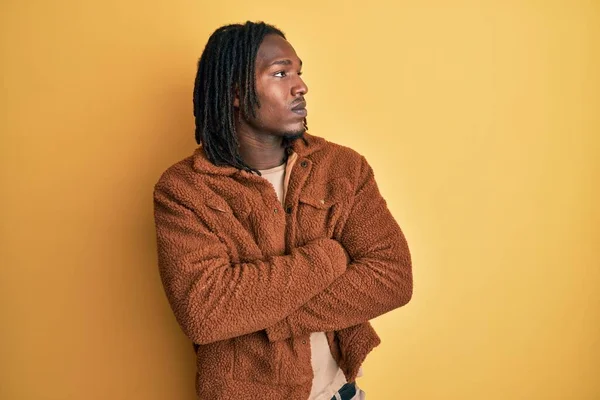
[276,95]
[274,101]
[273,107]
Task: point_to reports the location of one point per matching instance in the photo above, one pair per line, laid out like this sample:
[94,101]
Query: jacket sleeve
[214,299]
[377,280]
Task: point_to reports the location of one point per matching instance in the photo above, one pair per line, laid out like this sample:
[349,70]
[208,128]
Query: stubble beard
[294,135]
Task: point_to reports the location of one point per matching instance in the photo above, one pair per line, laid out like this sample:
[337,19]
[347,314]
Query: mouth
[300,109]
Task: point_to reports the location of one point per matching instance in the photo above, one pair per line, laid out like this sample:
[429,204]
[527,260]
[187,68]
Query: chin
[294,134]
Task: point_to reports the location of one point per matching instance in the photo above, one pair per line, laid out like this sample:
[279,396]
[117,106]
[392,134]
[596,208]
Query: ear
[236,97]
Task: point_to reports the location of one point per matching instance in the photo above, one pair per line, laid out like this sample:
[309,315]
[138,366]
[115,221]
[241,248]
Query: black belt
[347,392]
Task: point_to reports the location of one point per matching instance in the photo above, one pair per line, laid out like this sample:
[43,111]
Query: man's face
[279,88]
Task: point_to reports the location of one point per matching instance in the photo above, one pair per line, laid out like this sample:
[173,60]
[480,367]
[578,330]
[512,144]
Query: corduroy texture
[249,279]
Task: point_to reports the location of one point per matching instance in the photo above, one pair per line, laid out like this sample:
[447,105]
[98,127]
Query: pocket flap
[235,205]
[325,195]
[217,205]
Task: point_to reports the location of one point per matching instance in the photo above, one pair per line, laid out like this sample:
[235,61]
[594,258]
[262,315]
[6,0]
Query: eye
[280,74]
[300,73]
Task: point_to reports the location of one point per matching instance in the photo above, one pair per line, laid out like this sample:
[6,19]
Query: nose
[299,88]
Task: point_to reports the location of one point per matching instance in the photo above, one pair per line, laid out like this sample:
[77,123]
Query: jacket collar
[203,165]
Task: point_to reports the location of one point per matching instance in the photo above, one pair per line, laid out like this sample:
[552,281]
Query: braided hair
[227,63]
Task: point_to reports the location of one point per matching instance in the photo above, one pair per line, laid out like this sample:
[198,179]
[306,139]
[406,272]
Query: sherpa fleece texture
[249,279]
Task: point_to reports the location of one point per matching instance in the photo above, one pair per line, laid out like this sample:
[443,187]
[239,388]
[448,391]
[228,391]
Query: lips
[300,109]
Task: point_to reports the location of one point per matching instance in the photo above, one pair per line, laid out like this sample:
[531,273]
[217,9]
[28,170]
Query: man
[275,246]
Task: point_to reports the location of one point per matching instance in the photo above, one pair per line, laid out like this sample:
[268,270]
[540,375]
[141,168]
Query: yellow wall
[481,122]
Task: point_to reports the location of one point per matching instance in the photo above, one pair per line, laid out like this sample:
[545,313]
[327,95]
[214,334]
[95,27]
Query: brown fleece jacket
[249,279]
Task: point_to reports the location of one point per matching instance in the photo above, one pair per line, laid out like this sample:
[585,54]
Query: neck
[260,150]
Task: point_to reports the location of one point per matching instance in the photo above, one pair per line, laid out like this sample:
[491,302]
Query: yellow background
[481,120]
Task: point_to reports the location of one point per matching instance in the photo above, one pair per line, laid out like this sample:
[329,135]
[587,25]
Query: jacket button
[303,341]
[304,164]
[288,209]
[275,210]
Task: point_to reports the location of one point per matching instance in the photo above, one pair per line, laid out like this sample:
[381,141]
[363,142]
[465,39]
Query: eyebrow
[287,61]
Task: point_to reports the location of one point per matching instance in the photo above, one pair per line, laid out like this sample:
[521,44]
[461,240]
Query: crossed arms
[322,286]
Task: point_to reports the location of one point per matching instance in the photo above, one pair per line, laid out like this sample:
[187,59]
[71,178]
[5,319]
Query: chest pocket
[229,222]
[320,208]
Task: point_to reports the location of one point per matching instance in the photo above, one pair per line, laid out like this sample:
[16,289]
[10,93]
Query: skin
[280,89]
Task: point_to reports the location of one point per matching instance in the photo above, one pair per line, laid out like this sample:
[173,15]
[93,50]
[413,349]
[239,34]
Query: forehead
[273,48]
